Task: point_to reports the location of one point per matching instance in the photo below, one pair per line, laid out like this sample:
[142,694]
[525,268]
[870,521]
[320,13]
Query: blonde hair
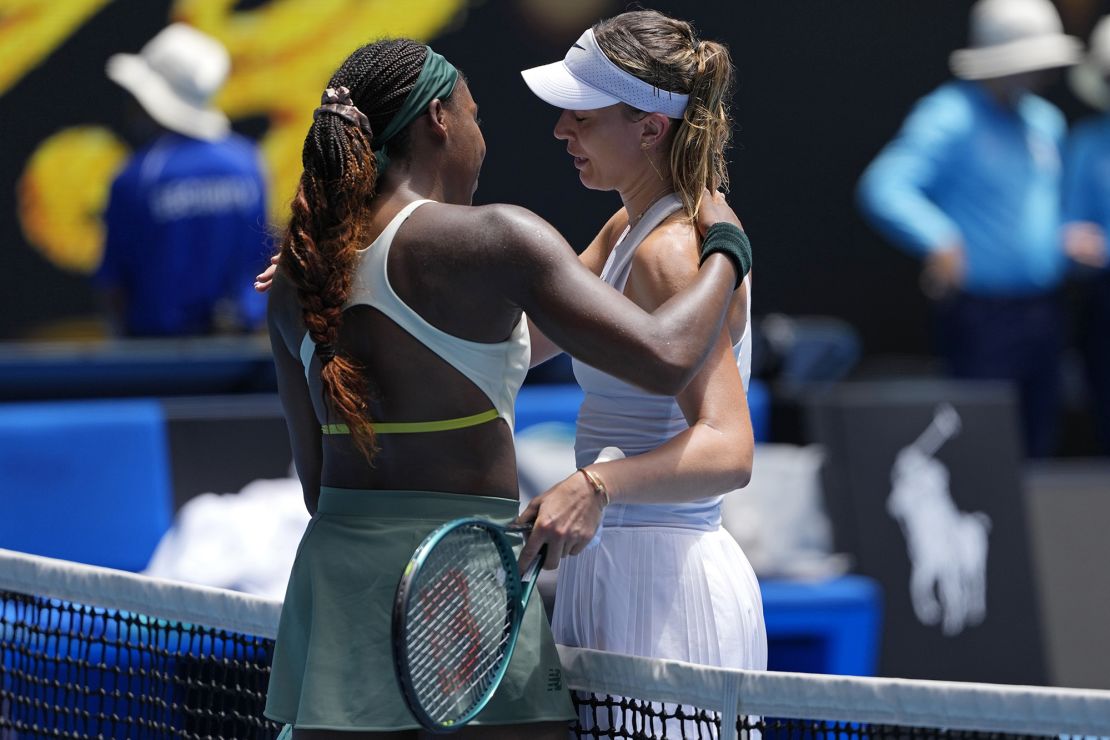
[666,53]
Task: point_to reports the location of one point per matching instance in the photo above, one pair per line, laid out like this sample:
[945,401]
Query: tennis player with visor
[399,337]
[645,113]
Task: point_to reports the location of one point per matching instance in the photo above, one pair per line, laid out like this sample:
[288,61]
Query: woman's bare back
[436,271]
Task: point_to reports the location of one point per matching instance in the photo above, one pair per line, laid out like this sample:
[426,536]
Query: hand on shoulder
[715,209]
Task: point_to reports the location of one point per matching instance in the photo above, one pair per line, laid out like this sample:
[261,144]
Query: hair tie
[336,96]
[337,100]
[326,352]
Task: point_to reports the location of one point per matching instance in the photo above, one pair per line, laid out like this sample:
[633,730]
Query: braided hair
[329,219]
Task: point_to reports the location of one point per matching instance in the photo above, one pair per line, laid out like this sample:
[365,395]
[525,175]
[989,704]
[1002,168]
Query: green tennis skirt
[333,662]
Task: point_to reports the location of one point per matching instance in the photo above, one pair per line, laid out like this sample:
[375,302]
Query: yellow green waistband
[410,427]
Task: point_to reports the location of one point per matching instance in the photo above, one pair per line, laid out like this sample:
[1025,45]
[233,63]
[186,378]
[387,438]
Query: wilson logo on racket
[456,618]
[458,646]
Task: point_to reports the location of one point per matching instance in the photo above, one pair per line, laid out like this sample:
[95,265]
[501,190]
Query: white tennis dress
[664,580]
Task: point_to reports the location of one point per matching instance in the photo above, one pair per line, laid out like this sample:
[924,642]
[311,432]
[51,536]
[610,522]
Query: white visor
[586,79]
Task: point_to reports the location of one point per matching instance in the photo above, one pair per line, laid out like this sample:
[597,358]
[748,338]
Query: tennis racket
[456,618]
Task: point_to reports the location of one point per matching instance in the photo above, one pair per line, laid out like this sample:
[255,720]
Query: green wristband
[730,241]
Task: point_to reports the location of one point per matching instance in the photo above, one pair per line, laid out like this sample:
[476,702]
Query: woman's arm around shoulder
[593,257]
[539,272]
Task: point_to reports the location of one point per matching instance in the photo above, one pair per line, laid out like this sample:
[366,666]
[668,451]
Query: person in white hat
[190,202]
[1087,213]
[971,185]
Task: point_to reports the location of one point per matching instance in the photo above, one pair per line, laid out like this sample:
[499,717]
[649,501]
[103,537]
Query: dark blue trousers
[1019,339]
[1096,352]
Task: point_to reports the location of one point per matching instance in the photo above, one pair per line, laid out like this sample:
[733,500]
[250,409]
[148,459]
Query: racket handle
[531,576]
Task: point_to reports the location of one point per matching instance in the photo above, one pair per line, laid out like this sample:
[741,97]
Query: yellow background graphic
[282,56]
[63,191]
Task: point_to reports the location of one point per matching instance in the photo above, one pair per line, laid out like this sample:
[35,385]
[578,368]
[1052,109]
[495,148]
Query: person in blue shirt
[192,202]
[971,185]
[1087,215]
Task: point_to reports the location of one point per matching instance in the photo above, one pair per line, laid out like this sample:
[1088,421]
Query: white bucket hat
[586,79]
[1088,79]
[1013,36]
[174,78]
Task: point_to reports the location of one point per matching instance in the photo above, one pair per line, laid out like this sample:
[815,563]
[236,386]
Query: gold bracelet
[597,484]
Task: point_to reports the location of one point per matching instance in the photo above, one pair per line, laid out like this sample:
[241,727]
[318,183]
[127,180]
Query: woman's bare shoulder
[669,252]
[615,226]
[666,261]
[471,227]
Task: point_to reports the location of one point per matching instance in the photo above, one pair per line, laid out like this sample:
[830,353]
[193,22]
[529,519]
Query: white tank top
[618,414]
[497,368]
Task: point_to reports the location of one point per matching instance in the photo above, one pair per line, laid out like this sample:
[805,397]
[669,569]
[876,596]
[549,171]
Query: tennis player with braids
[646,114]
[397,326]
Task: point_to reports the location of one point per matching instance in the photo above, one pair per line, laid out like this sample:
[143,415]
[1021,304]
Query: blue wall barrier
[86,481]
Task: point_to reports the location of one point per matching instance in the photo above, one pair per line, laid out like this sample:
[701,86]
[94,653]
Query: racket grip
[531,577]
[607,454]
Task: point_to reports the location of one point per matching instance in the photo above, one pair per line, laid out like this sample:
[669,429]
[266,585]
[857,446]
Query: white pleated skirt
[663,592]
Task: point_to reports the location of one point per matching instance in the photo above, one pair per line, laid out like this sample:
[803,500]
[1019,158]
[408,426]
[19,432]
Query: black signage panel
[922,481]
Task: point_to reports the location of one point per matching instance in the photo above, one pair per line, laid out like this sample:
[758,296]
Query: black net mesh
[74,671]
[605,716]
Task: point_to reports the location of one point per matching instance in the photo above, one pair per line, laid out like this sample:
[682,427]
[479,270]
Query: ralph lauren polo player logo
[554,679]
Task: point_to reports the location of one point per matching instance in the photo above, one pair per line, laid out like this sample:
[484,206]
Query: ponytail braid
[329,216]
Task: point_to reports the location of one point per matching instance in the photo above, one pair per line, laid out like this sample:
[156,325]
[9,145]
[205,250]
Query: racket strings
[460,702]
[452,593]
[460,622]
[443,649]
[458,656]
[449,598]
[471,674]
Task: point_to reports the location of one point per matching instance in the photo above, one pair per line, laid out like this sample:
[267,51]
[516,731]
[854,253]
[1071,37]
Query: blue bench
[823,627]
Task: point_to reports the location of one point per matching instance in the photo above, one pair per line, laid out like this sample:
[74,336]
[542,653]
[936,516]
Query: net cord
[953,705]
[908,702]
[154,597]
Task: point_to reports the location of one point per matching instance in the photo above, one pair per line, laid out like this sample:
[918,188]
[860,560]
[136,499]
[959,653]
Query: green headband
[436,80]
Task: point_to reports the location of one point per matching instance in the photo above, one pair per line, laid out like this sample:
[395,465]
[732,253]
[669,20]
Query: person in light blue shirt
[186,218]
[1087,214]
[971,185]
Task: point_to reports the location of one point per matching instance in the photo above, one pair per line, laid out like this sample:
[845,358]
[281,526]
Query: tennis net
[92,653]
